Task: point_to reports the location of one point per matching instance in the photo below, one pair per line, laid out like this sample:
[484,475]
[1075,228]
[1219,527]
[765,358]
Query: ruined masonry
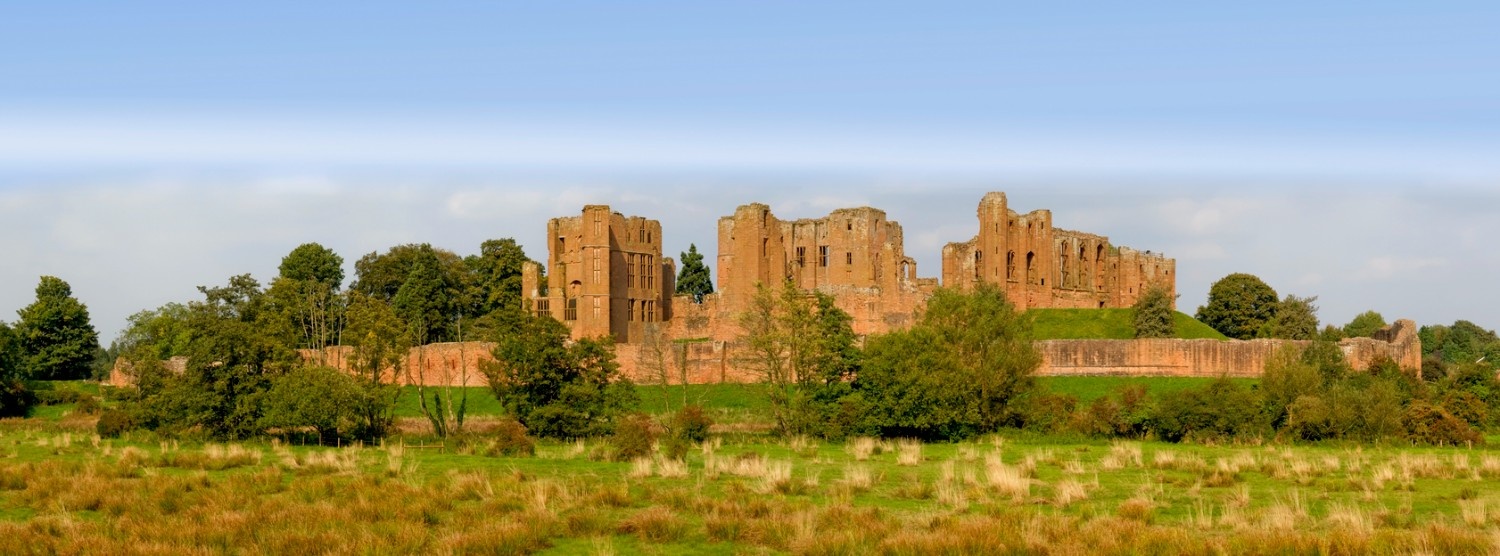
[606,276]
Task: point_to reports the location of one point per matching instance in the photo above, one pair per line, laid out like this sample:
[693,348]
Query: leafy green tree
[960,371]
[1364,325]
[781,331]
[306,298]
[1296,318]
[1238,306]
[1153,315]
[231,359]
[1287,378]
[1462,342]
[497,275]
[426,301]
[55,333]
[381,275]
[323,398]
[694,279]
[556,387]
[160,333]
[311,262]
[380,344]
[16,400]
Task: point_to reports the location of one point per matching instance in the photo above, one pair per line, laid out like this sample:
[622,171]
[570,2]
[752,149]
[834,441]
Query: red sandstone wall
[709,360]
[1210,358]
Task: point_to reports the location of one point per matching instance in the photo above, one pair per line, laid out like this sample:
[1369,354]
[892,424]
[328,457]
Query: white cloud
[1387,266]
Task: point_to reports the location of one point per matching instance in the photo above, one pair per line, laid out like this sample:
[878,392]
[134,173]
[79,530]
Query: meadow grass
[64,490]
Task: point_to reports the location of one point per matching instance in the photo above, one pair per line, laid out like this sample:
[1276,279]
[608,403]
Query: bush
[1048,412]
[634,436]
[691,423]
[89,405]
[1430,424]
[511,440]
[1221,410]
[15,399]
[114,422]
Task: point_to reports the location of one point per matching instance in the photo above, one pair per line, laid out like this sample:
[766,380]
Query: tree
[55,333]
[311,262]
[160,333]
[556,388]
[1462,342]
[1153,315]
[780,333]
[380,345]
[694,279]
[1364,325]
[960,371]
[305,295]
[1296,318]
[231,359]
[426,301]
[497,275]
[1238,305]
[16,400]
[323,398]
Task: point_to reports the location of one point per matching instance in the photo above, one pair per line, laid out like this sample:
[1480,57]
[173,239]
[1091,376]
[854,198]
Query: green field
[1105,324]
[62,490]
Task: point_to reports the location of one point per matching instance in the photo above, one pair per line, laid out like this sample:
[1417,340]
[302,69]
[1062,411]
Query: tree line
[964,368]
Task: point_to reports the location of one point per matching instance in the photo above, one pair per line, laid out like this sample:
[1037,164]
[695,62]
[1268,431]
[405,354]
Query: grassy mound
[1105,324]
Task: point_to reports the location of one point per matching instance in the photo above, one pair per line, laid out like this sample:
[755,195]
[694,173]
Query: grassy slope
[1107,324]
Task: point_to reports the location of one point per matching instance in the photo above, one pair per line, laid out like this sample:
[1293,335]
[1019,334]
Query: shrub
[1218,411]
[1048,412]
[114,422]
[511,440]
[1430,424]
[634,436]
[89,405]
[1464,405]
[691,423]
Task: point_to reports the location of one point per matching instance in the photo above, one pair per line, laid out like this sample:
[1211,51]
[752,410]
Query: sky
[1349,151]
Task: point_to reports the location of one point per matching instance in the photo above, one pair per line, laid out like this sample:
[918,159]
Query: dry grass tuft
[908,452]
[1136,509]
[1007,480]
[1068,491]
[862,448]
[1122,455]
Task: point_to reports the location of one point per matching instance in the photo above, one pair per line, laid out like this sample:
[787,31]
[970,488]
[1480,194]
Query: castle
[607,277]
[606,274]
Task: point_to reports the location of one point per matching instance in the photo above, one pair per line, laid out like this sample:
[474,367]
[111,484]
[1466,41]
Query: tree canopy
[1239,305]
[694,279]
[1364,325]
[55,334]
[556,388]
[1296,318]
[1154,316]
[957,373]
[311,262]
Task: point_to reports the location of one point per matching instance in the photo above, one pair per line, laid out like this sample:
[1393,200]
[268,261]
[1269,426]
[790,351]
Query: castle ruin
[606,274]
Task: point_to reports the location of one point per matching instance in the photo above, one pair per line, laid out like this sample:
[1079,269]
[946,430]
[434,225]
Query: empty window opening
[801,256]
[822,255]
[849,258]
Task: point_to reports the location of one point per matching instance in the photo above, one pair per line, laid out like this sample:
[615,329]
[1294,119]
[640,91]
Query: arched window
[978,264]
[1010,265]
[1030,267]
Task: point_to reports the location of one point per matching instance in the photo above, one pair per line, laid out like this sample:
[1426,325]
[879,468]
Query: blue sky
[1346,150]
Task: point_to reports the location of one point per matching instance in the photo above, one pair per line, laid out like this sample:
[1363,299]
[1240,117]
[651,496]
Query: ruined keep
[1040,266]
[606,275]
